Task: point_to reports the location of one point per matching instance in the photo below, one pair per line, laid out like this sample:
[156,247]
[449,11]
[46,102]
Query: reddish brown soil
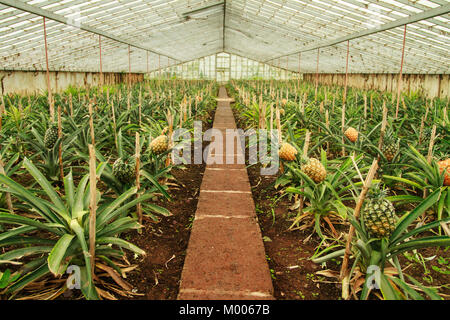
[158,274]
[293,274]
[287,249]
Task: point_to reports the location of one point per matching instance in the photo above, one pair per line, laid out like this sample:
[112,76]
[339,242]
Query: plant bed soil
[289,252]
[293,274]
[158,274]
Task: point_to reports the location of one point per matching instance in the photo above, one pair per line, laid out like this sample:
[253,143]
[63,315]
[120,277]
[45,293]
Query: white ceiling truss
[285,33]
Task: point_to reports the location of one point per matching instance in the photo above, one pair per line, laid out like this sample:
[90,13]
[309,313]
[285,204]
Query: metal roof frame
[270,31]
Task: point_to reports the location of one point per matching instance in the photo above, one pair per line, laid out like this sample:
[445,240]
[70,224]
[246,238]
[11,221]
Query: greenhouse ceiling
[152,34]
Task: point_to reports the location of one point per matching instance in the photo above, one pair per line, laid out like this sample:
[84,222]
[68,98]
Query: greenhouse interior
[225,150]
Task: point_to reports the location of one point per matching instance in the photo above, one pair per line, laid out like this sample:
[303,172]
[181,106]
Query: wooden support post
[317,75]
[7,194]
[344,98]
[71,104]
[91,124]
[343,129]
[49,88]
[383,127]
[138,172]
[371,105]
[277,115]
[271,118]
[399,84]
[327,124]
[114,124]
[129,67]
[140,105]
[100,55]
[305,154]
[422,125]
[344,275]
[430,156]
[92,205]
[365,111]
[170,122]
[61,169]
[147,65]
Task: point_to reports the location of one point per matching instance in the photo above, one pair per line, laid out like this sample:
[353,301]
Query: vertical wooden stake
[271,118]
[317,75]
[344,98]
[170,122]
[371,105]
[7,194]
[49,88]
[91,124]
[140,106]
[129,67]
[343,129]
[344,269]
[327,124]
[138,170]
[92,205]
[61,169]
[114,124]
[277,114]
[430,156]
[365,111]
[383,128]
[305,154]
[422,124]
[71,104]
[399,84]
[100,54]
[299,60]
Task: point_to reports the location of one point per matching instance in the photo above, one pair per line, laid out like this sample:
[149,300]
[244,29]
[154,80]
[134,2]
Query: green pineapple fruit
[124,169]
[391,146]
[51,136]
[379,215]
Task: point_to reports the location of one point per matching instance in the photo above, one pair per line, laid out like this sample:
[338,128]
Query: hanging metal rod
[441,10]
[223,27]
[59,18]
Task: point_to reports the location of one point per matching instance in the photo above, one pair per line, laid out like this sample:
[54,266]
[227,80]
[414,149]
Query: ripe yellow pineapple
[351,134]
[160,144]
[287,152]
[314,169]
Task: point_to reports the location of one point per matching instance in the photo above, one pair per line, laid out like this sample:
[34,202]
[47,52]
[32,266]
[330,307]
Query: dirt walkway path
[225,256]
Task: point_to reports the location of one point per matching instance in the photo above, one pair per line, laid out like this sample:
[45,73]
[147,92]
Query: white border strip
[224,292]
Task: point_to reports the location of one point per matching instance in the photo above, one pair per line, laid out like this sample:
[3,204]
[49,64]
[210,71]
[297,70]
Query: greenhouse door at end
[223,66]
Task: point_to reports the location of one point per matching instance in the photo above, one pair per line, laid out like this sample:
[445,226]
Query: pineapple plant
[379,215]
[159,144]
[352,134]
[287,152]
[445,165]
[314,169]
[51,136]
[391,146]
[124,169]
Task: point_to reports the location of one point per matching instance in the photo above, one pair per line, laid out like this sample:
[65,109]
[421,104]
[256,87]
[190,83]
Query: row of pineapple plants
[45,183]
[408,204]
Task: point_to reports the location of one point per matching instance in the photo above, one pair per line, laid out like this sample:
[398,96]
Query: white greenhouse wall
[431,85]
[29,82]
